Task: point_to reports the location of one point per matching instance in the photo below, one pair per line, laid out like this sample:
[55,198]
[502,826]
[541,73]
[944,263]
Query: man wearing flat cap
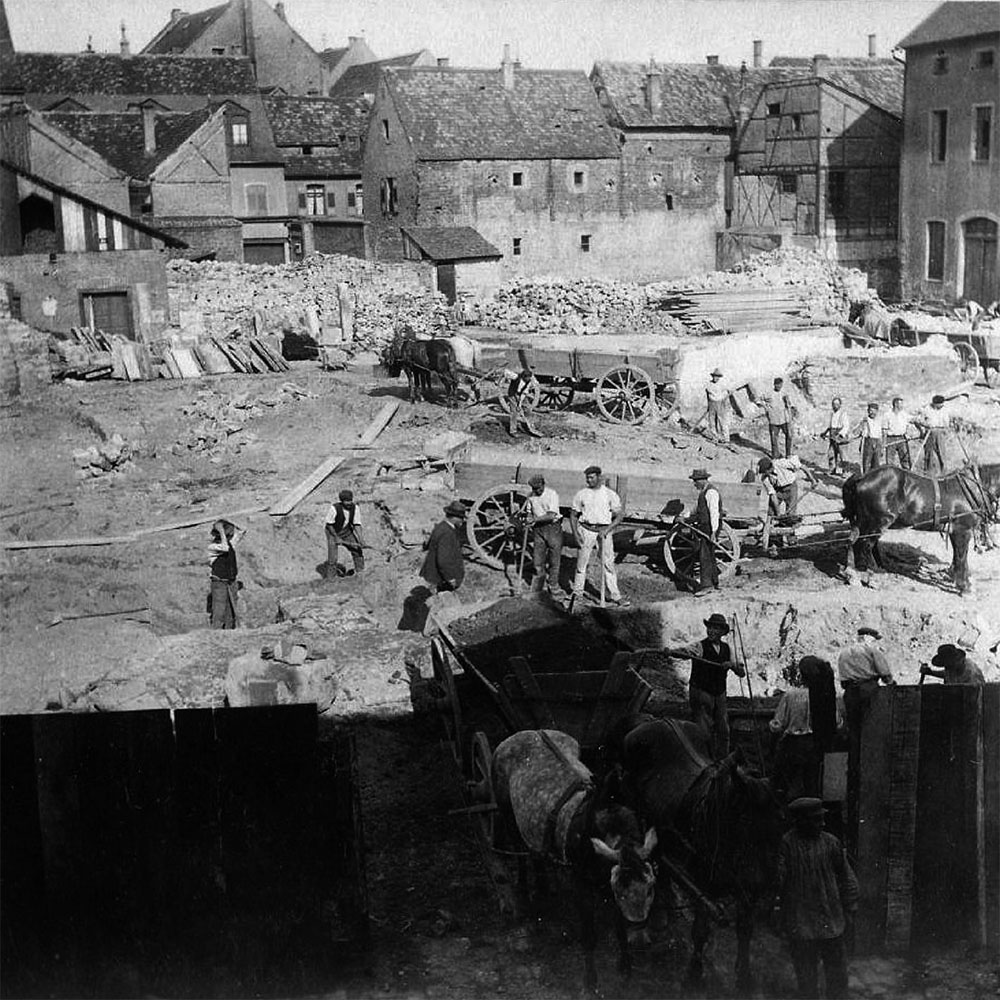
[707,519]
[717,396]
[444,566]
[595,513]
[818,894]
[954,665]
[343,527]
[546,534]
[711,660]
[933,423]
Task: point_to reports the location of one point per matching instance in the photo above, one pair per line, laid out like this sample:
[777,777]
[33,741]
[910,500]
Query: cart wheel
[667,398]
[448,704]
[680,553]
[495,532]
[968,360]
[557,395]
[625,395]
[480,786]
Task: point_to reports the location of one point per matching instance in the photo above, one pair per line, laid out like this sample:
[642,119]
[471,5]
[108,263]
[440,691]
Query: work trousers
[520,413]
[836,453]
[797,766]
[588,539]
[546,553]
[349,540]
[785,499]
[871,453]
[806,956]
[707,565]
[776,430]
[709,712]
[897,451]
[718,420]
[222,603]
[934,451]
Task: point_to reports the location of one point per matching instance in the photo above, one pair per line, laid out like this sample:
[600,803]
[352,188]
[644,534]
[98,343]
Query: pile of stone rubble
[108,459]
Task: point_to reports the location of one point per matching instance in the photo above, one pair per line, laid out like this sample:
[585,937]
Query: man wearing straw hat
[596,512]
[711,660]
[718,407]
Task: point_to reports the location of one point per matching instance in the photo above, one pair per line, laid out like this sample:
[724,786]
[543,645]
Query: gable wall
[52,158]
[195,179]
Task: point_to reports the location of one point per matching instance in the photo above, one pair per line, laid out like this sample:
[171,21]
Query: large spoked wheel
[668,398]
[681,554]
[556,395]
[496,525]
[481,790]
[447,702]
[968,360]
[625,395]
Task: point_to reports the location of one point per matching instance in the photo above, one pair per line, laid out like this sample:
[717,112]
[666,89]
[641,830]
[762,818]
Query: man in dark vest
[343,527]
[444,568]
[224,585]
[707,520]
[711,660]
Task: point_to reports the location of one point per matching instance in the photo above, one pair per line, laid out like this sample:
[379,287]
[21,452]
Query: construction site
[270,395]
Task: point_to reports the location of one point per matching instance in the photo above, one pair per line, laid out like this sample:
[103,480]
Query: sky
[546,34]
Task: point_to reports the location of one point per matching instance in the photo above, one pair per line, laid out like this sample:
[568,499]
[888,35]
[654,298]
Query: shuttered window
[935,251]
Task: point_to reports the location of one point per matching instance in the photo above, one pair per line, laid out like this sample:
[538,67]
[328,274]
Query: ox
[718,827]
[420,360]
[544,791]
[890,497]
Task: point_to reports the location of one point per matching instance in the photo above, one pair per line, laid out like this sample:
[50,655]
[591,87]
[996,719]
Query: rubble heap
[110,458]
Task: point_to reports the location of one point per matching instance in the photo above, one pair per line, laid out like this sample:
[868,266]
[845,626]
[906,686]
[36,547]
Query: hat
[868,630]
[536,478]
[937,401]
[346,495]
[227,526]
[717,621]
[698,474]
[948,656]
[592,470]
[778,379]
[716,371]
[764,465]
[456,509]
[806,806]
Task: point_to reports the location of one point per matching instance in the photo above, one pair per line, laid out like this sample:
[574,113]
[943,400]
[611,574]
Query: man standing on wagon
[707,520]
[596,512]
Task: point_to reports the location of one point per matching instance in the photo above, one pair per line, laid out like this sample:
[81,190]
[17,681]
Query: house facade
[950,166]
[817,164]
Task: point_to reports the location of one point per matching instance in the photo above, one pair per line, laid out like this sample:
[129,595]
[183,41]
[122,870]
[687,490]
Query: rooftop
[448,243]
[179,34]
[363,78]
[956,19]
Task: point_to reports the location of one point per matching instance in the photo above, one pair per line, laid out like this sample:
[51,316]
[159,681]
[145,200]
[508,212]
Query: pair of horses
[423,359]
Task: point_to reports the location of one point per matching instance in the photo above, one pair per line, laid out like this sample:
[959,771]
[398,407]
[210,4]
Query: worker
[596,512]
[706,521]
[780,477]
[869,430]
[718,408]
[896,443]
[711,660]
[838,432]
[780,414]
[444,566]
[519,400]
[225,586]
[955,667]
[818,896]
[343,527]
[933,424]
[546,535]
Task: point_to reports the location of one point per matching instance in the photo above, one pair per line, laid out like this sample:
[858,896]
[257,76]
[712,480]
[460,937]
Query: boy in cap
[546,534]
[444,566]
[934,425]
[818,895]
[711,660]
[718,407]
[955,666]
[519,400]
[596,512]
[343,527]
[224,587]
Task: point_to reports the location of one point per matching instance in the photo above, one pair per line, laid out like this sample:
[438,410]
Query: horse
[547,798]
[719,827]
[422,359]
[889,497]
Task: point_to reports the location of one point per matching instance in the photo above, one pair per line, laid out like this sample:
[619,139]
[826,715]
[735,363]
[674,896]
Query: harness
[579,784]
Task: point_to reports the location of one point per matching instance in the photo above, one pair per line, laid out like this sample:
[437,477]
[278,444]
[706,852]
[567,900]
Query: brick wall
[223,237]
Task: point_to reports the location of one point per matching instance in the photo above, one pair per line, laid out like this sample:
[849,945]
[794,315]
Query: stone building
[280,56]
[523,157]
[950,169]
[817,165]
[361,80]
[319,140]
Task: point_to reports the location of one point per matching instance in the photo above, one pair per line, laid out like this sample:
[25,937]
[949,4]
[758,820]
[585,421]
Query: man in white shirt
[597,510]
[717,396]
[838,431]
[546,534]
[869,430]
[780,412]
[780,477]
[934,424]
[897,447]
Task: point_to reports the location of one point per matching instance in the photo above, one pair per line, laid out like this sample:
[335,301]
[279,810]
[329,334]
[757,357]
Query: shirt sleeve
[848,884]
[712,500]
[881,664]
[614,501]
[578,502]
[687,651]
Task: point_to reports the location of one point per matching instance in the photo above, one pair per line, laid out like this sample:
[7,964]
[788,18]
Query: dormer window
[774,110]
[239,131]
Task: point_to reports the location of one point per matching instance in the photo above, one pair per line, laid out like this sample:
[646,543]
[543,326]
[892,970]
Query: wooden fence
[196,852]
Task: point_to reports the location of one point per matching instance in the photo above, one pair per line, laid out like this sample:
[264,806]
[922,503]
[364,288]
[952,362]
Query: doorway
[108,312]
[446,281]
[981,283]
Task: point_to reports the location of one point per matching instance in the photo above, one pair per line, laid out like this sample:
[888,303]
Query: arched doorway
[981,283]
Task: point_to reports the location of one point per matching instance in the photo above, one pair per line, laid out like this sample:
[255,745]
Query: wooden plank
[62,543]
[991,815]
[537,711]
[295,496]
[213,359]
[606,710]
[378,424]
[233,357]
[171,363]
[186,362]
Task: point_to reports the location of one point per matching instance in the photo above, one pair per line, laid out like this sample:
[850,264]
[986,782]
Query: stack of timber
[737,310]
[212,356]
[83,354]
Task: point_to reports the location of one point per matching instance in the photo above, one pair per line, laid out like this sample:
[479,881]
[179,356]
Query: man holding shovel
[597,510]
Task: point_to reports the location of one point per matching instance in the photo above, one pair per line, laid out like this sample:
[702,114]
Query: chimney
[758,53]
[443,62]
[872,51]
[176,14]
[712,60]
[507,68]
[149,129]
[654,95]
[353,40]
[123,44]
[819,61]
[279,9]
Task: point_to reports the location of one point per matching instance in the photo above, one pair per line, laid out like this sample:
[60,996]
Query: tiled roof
[363,78]
[467,114]
[342,163]
[330,57]
[881,85]
[955,20]
[119,138]
[695,95]
[185,30]
[445,243]
[6,42]
[98,73]
[303,121]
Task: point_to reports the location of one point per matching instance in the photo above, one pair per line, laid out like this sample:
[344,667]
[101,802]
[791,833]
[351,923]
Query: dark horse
[420,360]
[890,497]
[548,799]
[718,827]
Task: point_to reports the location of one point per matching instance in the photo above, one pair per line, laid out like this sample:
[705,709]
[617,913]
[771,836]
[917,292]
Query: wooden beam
[378,424]
[292,499]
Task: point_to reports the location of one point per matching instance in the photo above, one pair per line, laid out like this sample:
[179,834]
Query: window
[315,199]
[359,201]
[940,65]
[516,247]
[307,150]
[239,132]
[585,242]
[669,201]
[837,192]
[218,50]
[982,132]
[517,179]
[389,197]
[789,183]
[385,129]
[256,195]
[578,178]
[935,251]
[796,122]
[939,136]
[774,110]
[983,59]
